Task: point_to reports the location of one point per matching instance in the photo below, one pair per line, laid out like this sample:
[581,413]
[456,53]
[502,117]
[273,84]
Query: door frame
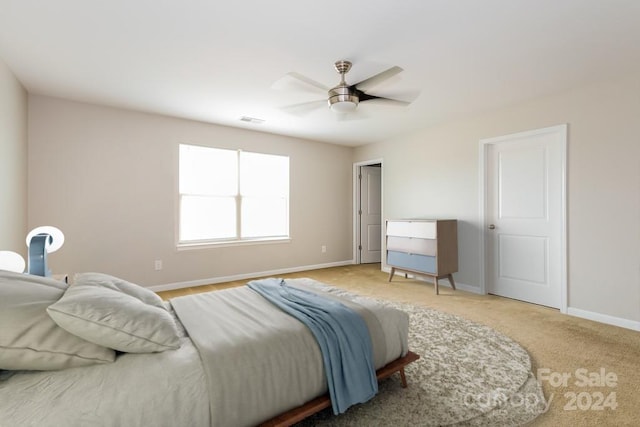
[356,202]
[484,145]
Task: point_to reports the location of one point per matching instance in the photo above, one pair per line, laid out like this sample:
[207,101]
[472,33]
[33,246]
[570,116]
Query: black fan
[344,97]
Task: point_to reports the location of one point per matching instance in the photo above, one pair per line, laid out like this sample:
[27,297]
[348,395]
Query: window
[230,196]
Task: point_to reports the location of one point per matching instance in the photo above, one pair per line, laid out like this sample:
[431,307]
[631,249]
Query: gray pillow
[115,313]
[29,338]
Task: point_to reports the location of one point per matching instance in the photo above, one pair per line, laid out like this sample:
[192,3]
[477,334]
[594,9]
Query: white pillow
[29,339]
[115,313]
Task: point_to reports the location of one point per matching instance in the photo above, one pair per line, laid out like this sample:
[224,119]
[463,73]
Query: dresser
[425,247]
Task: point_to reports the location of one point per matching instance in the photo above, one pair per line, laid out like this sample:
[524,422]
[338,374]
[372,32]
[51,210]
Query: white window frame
[237,240]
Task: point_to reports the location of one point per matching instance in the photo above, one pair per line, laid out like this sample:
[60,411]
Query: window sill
[231,243]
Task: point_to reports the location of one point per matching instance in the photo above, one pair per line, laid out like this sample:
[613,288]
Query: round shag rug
[468,375]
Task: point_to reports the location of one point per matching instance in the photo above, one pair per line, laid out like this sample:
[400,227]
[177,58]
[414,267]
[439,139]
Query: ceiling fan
[344,97]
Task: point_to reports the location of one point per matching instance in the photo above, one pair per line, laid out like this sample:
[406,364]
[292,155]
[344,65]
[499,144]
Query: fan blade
[382,100]
[300,82]
[378,78]
[304,108]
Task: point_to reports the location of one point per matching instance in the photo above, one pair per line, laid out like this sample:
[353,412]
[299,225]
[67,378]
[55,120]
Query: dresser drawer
[415,262]
[411,245]
[419,229]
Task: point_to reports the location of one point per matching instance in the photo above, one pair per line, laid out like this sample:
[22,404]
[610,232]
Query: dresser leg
[453,284]
[393,271]
[435,282]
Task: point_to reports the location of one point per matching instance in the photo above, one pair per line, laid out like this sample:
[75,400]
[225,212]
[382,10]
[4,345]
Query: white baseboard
[590,315]
[213,280]
[467,288]
[441,282]
[604,318]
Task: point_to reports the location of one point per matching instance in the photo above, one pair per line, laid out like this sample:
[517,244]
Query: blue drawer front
[414,262]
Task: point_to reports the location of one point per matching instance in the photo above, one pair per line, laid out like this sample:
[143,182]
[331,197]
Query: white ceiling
[217,61]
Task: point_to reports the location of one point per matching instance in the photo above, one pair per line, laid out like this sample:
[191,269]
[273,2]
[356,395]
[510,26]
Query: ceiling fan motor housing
[342,98]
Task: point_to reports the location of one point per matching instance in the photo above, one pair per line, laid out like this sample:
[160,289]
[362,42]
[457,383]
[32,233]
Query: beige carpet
[559,345]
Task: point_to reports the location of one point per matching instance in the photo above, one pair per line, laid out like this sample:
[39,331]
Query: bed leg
[403,378]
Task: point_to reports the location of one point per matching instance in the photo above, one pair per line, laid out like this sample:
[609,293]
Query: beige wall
[13,162]
[102,175]
[107,178]
[434,173]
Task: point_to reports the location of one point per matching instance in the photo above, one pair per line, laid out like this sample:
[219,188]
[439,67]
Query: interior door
[524,216]
[370,212]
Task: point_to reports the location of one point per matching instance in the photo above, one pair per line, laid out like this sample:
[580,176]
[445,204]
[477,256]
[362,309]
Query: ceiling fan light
[343,106]
[343,103]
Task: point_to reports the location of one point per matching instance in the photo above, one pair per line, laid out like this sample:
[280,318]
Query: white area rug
[468,375]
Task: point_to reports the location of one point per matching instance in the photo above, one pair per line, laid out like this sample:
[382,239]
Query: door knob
[492,227]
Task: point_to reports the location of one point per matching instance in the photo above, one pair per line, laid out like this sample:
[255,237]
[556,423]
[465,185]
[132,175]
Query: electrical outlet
[323,249]
[158,264]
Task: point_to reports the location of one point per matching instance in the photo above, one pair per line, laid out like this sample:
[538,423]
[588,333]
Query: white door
[370,214]
[524,216]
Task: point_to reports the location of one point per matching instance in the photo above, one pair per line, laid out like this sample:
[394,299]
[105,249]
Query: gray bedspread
[145,389]
[260,361]
[342,335]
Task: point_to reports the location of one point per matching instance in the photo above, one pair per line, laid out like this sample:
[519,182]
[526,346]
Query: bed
[106,352]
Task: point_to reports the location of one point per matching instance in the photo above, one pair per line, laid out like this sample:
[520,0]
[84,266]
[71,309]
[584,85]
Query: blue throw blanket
[342,335]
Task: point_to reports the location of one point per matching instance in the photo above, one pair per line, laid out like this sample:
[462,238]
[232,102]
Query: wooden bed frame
[318,404]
